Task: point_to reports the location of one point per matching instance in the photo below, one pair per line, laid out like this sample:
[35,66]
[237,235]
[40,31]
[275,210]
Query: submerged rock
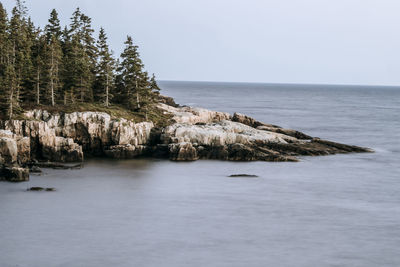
[243,175]
[38,188]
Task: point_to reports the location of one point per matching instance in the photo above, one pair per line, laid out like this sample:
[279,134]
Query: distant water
[341,210]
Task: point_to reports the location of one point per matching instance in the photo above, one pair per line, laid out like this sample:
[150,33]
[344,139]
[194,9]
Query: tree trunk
[82,94]
[38,87]
[107,88]
[10,111]
[137,96]
[51,77]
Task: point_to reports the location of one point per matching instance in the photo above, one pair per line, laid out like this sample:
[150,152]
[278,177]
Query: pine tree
[83,54]
[8,103]
[53,28]
[20,56]
[39,50]
[54,57]
[131,76]
[76,23]
[105,71]
[3,39]
[155,89]
[45,67]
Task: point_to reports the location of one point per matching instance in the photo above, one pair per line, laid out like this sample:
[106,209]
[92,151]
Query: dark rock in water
[14,174]
[35,188]
[35,169]
[243,175]
[38,188]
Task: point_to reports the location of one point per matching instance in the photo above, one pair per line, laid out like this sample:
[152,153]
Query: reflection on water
[340,210]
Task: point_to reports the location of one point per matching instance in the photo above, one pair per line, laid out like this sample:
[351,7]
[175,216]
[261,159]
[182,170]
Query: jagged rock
[220,134]
[24,150]
[64,137]
[183,152]
[191,115]
[233,140]
[62,150]
[195,133]
[237,117]
[169,101]
[8,150]
[125,132]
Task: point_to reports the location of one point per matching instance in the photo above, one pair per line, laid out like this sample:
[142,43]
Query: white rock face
[191,115]
[125,132]
[220,134]
[64,137]
[8,150]
[14,150]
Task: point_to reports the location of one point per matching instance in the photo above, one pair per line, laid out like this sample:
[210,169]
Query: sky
[273,41]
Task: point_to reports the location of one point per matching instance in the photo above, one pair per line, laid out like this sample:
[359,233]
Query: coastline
[191,134]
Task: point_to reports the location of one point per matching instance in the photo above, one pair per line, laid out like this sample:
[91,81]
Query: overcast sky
[278,41]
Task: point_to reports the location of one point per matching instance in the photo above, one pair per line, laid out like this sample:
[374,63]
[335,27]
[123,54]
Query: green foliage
[105,68]
[53,28]
[68,68]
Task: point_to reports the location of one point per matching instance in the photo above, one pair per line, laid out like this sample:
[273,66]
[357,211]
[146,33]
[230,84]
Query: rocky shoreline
[194,133]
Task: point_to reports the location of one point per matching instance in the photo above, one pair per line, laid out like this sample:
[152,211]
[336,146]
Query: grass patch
[116,112]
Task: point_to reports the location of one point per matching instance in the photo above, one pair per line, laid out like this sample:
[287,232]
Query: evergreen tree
[53,62]
[83,54]
[105,71]
[39,50]
[45,67]
[8,101]
[130,76]
[53,28]
[20,46]
[3,39]
[76,23]
[53,57]
[78,87]
[155,89]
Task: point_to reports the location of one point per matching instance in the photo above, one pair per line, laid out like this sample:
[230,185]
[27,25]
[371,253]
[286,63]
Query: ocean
[340,210]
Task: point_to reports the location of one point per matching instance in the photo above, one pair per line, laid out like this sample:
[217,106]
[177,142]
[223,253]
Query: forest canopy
[67,65]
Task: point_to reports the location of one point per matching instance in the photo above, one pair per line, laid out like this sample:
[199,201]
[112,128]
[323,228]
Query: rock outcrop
[203,134]
[14,153]
[65,137]
[193,134]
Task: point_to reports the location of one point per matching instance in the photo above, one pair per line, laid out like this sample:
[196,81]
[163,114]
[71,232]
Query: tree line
[63,66]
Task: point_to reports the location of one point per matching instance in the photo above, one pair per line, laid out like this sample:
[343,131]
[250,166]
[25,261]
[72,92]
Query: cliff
[192,134]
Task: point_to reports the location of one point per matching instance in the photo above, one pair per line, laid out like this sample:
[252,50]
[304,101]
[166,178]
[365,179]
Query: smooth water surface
[341,210]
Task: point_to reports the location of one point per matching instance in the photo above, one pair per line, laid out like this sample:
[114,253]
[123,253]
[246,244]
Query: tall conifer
[105,71]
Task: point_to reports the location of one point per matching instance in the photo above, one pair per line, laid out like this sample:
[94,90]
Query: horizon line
[283,83]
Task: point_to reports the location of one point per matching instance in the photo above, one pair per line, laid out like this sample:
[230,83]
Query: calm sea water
[341,210]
